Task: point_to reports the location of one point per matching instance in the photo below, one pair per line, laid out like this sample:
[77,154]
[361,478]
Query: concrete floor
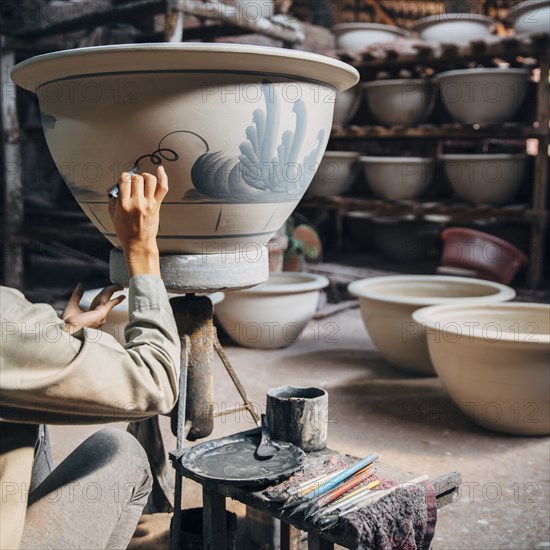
[410,422]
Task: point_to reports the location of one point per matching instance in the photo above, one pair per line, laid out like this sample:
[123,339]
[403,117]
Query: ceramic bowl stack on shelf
[398,178]
[483,96]
[346,105]
[530,16]
[359,36]
[401,102]
[485,179]
[335,175]
[454,27]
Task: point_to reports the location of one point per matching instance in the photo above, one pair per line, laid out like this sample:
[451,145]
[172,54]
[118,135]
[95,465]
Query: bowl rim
[357,288]
[425,317]
[306,282]
[481,70]
[398,81]
[366,26]
[365,159]
[162,57]
[429,21]
[488,156]
[341,154]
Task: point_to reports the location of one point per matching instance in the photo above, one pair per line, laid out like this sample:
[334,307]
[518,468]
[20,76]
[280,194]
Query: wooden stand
[215,493]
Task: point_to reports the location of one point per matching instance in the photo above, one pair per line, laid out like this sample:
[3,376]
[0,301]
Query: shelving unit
[424,58]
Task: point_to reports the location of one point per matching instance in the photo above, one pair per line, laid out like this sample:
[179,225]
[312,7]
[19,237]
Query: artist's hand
[76,318]
[135,215]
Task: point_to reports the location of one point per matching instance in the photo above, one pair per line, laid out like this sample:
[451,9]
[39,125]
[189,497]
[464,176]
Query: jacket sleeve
[49,376]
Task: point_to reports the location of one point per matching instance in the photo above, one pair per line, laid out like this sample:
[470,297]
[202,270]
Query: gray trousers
[93,499]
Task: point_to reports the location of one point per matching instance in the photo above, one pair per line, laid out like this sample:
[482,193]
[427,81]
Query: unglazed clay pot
[485,179]
[359,36]
[483,96]
[488,256]
[398,178]
[454,27]
[272,314]
[117,319]
[493,361]
[530,16]
[387,304]
[239,129]
[335,175]
[404,101]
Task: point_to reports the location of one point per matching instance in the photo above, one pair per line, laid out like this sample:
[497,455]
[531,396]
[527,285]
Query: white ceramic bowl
[359,36]
[272,314]
[240,130]
[485,179]
[118,317]
[493,361]
[387,304]
[401,101]
[335,174]
[483,96]
[530,16]
[454,27]
[398,178]
[346,105]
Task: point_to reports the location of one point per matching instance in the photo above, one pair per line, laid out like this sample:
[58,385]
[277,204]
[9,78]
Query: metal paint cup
[299,416]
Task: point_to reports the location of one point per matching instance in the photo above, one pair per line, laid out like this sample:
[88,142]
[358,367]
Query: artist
[65,371]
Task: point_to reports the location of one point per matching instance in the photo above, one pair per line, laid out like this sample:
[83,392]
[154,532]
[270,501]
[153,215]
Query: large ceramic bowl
[117,319]
[483,96]
[454,27]
[485,179]
[401,101]
[398,178]
[240,130]
[346,105]
[530,16]
[387,305]
[272,314]
[493,361]
[335,174]
[359,36]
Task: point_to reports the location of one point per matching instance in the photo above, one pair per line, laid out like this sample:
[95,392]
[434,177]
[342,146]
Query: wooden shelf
[406,52]
[457,212]
[443,131]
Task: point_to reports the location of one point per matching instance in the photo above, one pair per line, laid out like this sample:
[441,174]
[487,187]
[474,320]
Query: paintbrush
[301,487]
[294,500]
[333,482]
[113,193]
[377,495]
[343,488]
[348,500]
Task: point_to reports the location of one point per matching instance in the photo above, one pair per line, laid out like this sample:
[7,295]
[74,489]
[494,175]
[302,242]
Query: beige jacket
[50,377]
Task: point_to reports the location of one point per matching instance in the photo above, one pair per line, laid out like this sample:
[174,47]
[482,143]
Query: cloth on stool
[404,519]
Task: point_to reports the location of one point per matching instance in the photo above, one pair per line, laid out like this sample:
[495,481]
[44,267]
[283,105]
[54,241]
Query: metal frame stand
[193,416]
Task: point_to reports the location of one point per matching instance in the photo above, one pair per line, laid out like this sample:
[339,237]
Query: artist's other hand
[76,318]
[135,215]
